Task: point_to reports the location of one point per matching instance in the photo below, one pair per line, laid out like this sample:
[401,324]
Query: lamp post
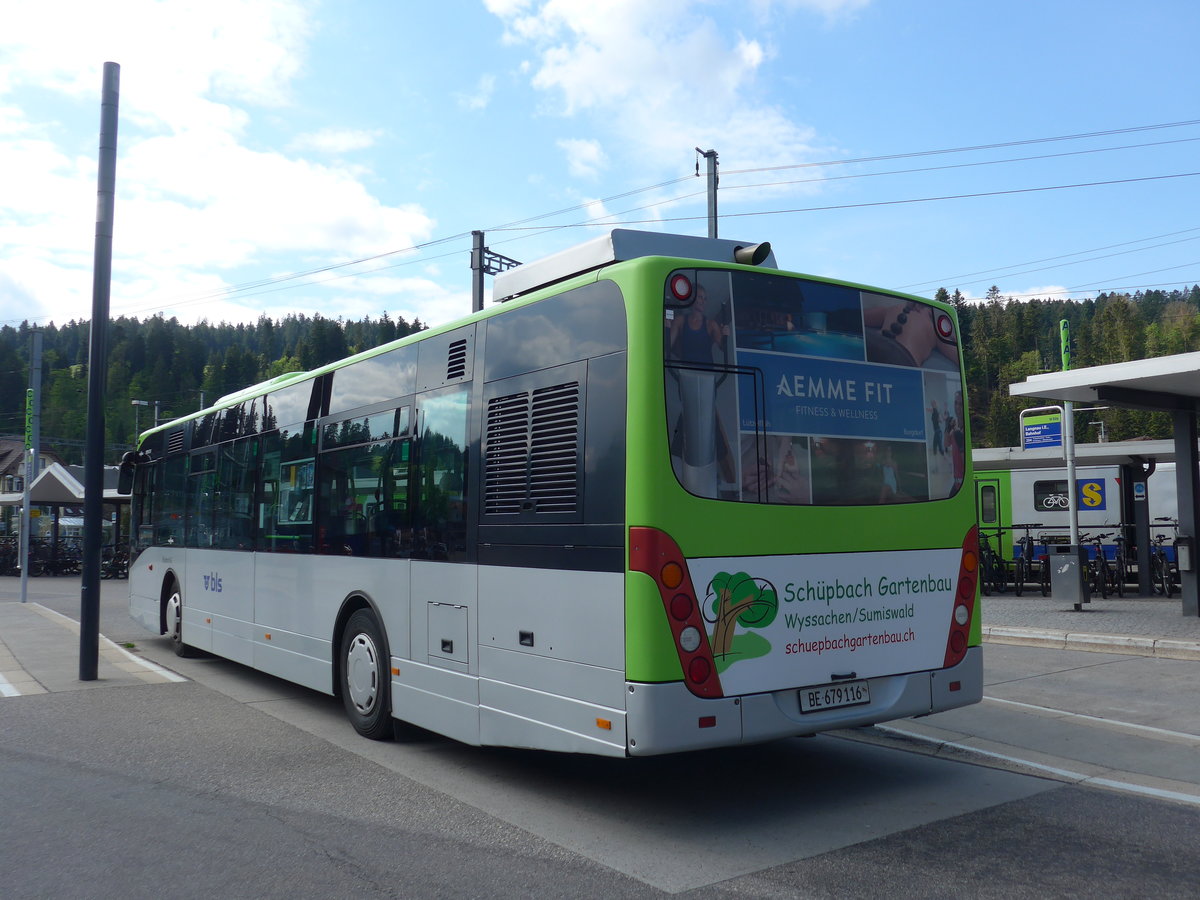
[137,404]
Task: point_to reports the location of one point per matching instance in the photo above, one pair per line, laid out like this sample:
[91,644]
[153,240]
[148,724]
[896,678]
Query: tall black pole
[93,463]
[477,268]
[711,156]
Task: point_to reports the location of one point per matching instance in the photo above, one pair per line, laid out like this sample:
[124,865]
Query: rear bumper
[667,718]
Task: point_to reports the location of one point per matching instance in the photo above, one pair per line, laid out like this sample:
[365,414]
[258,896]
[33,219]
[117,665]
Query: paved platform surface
[1143,626]
[39,653]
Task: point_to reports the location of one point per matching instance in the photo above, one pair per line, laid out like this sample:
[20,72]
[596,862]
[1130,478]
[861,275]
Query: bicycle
[1027,566]
[1098,572]
[1163,570]
[1120,570]
[992,566]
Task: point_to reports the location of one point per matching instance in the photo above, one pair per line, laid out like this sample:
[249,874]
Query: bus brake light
[656,554]
[964,600]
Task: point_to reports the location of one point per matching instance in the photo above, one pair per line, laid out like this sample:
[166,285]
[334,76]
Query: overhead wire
[285,281]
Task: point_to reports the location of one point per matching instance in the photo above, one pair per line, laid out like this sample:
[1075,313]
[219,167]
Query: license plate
[832,696]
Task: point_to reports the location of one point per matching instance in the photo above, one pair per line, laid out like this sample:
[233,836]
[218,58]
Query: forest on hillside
[157,359]
[1007,340]
[160,360]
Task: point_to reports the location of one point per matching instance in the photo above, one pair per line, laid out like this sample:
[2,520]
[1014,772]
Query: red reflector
[699,669]
[956,685]
[958,642]
[681,606]
[707,722]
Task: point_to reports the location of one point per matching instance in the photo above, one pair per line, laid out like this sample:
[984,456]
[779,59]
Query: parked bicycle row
[1111,560]
[63,558]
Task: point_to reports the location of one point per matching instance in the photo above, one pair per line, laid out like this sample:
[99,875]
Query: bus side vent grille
[175,441]
[506,454]
[554,449]
[531,452]
[456,363]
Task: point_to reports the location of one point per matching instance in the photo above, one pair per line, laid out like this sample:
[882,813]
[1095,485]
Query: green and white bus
[662,497]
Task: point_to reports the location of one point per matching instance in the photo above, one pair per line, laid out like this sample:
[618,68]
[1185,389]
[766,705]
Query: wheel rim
[175,616]
[362,673]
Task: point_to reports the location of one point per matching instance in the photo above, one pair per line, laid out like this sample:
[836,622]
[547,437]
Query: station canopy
[56,486]
[1169,383]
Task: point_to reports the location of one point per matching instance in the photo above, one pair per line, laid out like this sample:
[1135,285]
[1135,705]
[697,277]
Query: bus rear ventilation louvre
[531,452]
[175,441]
[456,363]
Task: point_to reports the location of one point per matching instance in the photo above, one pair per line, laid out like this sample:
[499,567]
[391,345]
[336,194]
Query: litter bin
[1068,573]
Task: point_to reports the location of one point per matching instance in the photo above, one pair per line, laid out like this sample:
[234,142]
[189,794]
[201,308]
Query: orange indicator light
[606,724]
[672,575]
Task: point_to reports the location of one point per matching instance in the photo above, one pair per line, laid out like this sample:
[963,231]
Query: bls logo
[212,583]
[1091,494]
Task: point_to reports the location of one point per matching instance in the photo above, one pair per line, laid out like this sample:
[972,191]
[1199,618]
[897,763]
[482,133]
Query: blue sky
[261,139]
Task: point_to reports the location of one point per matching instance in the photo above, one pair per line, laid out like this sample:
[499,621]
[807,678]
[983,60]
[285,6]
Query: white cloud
[196,200]
[831,10]
[585,159]
[664,77]
[335,141]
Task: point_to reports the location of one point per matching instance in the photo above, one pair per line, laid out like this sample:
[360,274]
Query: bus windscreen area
[793,391]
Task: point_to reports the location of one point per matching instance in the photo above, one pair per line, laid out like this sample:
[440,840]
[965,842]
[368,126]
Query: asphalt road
[236,784]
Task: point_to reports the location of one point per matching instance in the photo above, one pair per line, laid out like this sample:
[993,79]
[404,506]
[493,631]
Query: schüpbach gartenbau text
[830,591]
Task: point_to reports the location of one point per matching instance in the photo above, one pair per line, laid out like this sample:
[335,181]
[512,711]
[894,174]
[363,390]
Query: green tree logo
[739,599]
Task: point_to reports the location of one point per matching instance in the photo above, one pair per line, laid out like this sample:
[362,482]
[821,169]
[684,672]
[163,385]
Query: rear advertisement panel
[779,622]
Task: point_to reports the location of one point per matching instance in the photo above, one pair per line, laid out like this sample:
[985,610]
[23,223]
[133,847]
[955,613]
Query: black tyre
[365,679]
[173,618]
[1162,577]
[1019,576]
[999,582]
[1120,576]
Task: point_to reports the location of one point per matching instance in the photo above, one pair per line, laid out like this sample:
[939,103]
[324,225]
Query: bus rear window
[793,391]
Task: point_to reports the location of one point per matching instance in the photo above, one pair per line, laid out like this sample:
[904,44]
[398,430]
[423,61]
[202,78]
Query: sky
[332,157]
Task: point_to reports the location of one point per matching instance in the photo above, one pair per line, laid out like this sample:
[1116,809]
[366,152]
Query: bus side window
[439,528]
[233,514]
[168,500]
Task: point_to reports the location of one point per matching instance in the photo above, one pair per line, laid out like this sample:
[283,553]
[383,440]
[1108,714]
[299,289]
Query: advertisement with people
[795,391]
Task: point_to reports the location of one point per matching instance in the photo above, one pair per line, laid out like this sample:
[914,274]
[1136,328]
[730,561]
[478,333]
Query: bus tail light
[654,553]
[964,600]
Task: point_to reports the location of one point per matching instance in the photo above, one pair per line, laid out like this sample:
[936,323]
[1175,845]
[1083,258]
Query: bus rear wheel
[366,691]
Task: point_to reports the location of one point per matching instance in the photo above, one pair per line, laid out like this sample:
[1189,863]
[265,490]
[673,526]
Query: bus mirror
[126,472]
[752,255]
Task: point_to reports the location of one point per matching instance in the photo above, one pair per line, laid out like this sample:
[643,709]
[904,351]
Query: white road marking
[1132,726]
[1076,777]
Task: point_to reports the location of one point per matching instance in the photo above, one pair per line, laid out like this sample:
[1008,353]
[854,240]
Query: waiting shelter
[57,487]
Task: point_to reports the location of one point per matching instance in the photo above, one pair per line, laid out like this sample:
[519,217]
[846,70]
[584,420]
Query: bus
[659,496]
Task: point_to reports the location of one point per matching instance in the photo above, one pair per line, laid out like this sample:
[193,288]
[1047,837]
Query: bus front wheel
[173,616]
[365,685]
